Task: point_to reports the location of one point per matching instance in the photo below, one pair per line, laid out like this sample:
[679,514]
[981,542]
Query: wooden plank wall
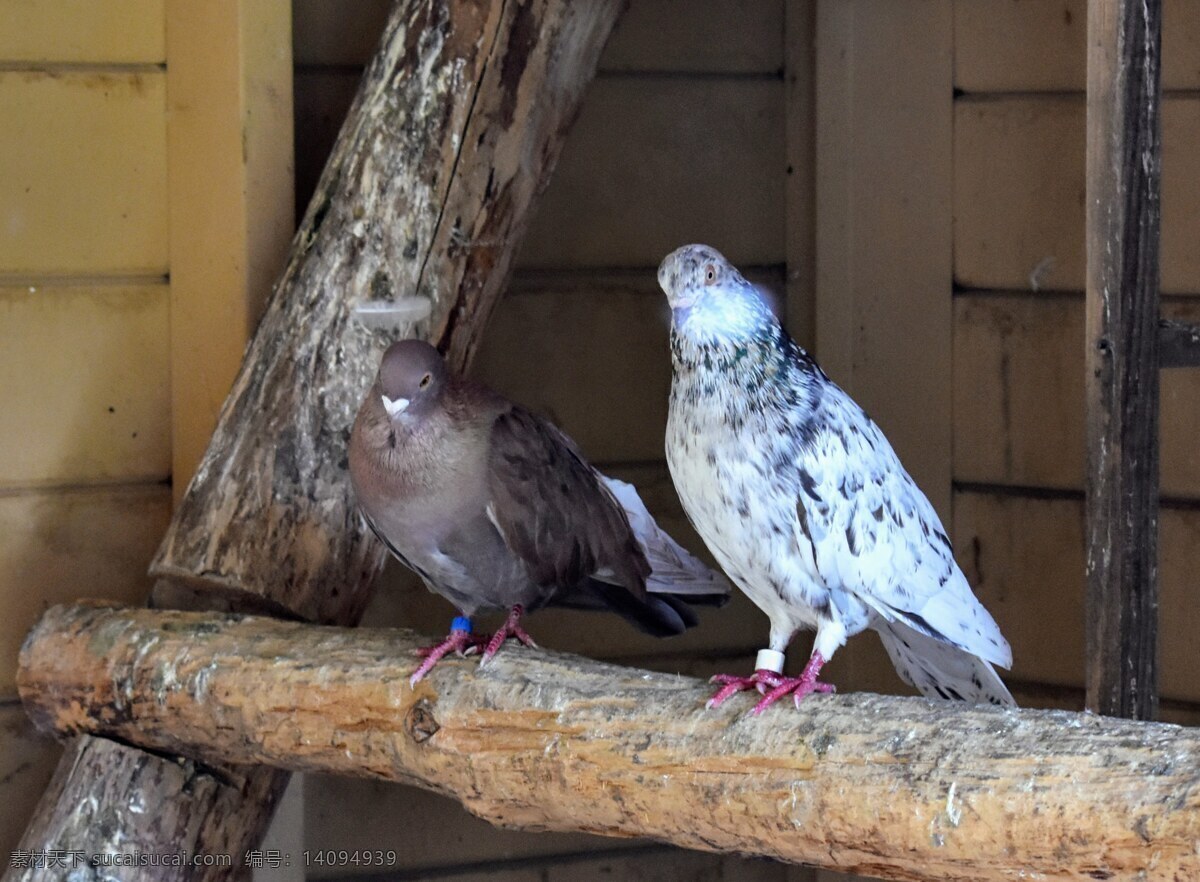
[689,133]
[1018,333]
[85,442]
[145,211]
[682,138]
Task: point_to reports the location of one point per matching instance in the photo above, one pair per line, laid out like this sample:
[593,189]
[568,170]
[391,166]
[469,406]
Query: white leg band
[769,660]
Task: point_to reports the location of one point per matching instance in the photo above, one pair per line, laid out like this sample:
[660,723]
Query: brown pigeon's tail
[674,573]
[660,615]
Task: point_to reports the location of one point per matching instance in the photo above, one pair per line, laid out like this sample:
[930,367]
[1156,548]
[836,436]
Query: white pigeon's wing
[873,532]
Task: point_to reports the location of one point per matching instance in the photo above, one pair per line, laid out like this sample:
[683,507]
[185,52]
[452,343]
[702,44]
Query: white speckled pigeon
[496,509]
[805,505]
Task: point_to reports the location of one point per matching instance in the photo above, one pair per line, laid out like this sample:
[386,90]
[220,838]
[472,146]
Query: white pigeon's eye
[425,380]
[710,274]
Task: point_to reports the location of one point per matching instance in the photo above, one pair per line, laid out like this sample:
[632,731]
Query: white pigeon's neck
[722,328]
[741,340]
[730,316]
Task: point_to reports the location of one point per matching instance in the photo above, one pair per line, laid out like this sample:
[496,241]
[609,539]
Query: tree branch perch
[901,788]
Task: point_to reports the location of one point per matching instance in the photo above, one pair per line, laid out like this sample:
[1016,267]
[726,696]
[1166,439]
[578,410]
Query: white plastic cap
[391,315]
[769,660]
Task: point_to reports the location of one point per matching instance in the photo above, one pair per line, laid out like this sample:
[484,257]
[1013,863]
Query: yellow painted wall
[85,444]
[145,207]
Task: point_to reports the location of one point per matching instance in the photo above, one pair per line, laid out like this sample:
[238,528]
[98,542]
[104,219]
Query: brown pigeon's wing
[379,534]
[552,511]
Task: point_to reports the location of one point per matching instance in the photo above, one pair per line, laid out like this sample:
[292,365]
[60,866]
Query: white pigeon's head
[708,296]
[412,376]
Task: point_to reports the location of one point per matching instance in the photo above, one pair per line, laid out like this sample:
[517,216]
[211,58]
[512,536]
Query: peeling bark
[901,788]
[182,806]
[455,130]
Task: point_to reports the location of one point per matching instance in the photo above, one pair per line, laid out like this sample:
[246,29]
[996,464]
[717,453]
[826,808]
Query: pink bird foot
[797,687]
[460,640]
[510,628]
[762,680]
[772,684]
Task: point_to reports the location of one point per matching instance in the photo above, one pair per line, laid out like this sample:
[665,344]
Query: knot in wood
[420,722]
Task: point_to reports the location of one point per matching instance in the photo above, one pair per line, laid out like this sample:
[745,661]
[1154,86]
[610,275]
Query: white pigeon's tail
[673,569]
[939,669]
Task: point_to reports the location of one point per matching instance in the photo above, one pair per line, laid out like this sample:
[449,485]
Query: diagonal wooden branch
[456,128]
[901,788]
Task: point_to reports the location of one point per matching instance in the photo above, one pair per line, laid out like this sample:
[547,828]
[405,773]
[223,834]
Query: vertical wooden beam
[885,103]
[1124,150]
[231,204]
[230,195]
[799,74]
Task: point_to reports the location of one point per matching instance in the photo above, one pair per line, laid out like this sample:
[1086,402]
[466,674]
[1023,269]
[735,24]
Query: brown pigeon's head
[412,377]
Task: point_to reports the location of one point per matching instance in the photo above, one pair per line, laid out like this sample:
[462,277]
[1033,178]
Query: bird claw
[462,643]
[510,628]
[772,686]
[797,687]
[731,684]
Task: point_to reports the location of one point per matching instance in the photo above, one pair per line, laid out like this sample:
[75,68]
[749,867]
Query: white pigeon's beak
[394,407]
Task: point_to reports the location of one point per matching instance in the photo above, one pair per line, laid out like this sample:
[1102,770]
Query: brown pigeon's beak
[396,407]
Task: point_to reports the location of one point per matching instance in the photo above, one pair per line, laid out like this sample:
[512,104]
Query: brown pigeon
[496,509]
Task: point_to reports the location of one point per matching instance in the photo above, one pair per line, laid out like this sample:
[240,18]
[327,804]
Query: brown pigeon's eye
[425,380]
[710,274]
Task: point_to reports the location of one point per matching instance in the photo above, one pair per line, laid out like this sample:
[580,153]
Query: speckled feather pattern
[801,498]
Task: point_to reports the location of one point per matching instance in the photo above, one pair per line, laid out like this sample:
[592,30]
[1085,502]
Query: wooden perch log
[457,125]
[902,788]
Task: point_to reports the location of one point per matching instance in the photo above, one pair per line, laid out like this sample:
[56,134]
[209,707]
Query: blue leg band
[461,623]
